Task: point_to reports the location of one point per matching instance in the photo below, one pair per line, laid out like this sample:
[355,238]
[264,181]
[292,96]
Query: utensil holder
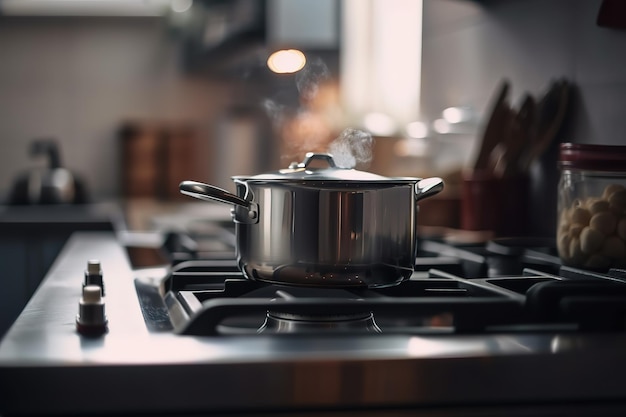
[497,204]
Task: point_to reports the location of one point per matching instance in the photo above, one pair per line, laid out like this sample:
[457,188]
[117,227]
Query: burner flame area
[281,322]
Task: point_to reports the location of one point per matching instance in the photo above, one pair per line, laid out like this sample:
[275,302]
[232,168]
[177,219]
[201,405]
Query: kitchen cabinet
[31,238]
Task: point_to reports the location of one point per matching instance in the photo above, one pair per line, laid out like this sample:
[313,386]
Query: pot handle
[211,193]
[428,187]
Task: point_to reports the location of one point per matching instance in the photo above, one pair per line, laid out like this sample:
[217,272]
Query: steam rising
[352,147]
[274,110]
[307,83]
[306,129]
[310,77]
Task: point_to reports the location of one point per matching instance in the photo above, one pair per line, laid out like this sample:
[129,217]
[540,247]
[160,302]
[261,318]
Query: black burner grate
[457,289]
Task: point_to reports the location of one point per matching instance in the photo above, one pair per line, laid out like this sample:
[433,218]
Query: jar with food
[591,226]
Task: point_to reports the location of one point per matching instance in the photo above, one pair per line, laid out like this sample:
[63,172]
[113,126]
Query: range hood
[219,37]
[294,23]
[238,35]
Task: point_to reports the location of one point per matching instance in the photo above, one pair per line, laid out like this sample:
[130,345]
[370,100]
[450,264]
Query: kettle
[49,185]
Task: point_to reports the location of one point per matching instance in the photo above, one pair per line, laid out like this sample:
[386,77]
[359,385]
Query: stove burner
[277,322]
[285,322]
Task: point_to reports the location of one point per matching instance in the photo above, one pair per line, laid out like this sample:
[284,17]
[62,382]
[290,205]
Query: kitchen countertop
[133,369]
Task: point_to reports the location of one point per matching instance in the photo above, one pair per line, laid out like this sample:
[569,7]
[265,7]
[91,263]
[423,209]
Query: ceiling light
[286,61]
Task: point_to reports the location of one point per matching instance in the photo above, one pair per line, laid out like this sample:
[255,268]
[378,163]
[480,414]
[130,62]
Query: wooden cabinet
[156,157]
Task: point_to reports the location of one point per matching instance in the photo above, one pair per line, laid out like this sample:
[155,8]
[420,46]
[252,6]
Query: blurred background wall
[79,79]
[468,46]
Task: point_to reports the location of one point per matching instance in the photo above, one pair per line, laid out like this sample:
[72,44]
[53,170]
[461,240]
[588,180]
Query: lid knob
[310,157]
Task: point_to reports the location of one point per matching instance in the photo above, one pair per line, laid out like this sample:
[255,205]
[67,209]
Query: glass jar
[591,225]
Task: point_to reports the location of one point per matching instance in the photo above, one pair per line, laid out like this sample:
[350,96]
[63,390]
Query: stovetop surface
[140,365]
[506,285]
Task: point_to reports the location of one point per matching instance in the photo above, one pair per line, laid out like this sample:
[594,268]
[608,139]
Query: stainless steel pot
[324,226]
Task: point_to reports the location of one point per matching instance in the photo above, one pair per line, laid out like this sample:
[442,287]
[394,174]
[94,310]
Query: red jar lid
[605,158]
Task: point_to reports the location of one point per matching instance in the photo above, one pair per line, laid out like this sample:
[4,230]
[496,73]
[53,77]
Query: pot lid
[310,170]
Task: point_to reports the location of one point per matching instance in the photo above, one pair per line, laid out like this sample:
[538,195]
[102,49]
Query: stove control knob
[91,319]
[93,274]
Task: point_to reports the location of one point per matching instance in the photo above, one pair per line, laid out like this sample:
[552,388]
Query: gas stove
[482,329]
[208,297]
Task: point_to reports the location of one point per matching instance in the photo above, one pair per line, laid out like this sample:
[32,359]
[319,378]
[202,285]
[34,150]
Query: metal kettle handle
[211,193]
